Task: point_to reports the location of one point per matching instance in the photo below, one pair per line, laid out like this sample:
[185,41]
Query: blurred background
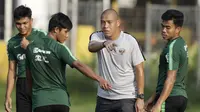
[141,18]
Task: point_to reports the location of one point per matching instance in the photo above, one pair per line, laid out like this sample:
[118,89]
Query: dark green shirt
[174,57]
[16,53]
[47,61]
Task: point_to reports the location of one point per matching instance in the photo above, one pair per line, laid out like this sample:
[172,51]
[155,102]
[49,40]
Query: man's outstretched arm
[95,46]
[87,71]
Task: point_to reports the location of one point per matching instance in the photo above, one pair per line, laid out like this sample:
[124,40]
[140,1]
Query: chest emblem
[122,51]
[21,56]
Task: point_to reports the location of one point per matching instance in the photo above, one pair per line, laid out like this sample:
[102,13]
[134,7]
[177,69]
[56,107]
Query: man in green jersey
[47,61]
[170,95]
[16,55]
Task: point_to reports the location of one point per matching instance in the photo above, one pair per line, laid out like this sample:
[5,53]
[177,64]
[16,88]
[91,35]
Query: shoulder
[49,40]
[39,32]
[178,43]
[13,40]
[97,34]
[129,37]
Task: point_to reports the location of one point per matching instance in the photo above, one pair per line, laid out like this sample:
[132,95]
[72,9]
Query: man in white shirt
[121,63]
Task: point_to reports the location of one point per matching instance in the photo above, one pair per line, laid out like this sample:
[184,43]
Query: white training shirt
[118,67]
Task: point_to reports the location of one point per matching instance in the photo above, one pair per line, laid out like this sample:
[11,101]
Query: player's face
[109,25]
[62,35]
[169,30]
[24,26]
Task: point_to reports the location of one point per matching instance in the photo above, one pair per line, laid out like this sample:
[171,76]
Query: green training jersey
[17,54]
[47,61]
[174,57]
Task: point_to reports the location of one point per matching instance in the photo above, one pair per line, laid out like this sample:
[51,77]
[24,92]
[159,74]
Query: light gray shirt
[117,67]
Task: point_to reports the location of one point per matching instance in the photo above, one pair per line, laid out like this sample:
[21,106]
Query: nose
[21,26]
[105,25]
[163,29]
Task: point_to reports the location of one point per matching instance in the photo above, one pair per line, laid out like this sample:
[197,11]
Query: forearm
[95,46]
[152,98]
[10,83]
[169,83]
[87,71]
[140,78]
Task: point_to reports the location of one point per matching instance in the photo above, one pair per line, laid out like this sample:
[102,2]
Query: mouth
[164,35]
[106,31]
[23,31]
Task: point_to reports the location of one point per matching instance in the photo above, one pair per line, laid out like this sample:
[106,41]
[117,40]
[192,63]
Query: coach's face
[109,24]
[169,30]
[24,25]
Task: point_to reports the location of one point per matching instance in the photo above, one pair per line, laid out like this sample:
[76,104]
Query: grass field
[82,100]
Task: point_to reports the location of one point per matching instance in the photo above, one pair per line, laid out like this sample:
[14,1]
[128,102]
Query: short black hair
[21,12]
[175,15]
[60,20]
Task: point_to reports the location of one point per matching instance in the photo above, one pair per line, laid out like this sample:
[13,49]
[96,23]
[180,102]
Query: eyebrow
[21,22]
[164,25]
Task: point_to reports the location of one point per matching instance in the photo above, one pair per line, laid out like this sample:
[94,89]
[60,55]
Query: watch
[140,96]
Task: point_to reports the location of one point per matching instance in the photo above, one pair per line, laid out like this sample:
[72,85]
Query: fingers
[24,42]
[8,107]
[110,45]
[136,108]
[106,86]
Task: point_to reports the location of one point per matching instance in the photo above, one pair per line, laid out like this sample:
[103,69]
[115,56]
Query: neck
[27,34]
[52,35]
[175,37]
[116,35]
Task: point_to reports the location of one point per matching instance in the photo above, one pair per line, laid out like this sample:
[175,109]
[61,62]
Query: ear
[118,22]
[56,30]
[178,29]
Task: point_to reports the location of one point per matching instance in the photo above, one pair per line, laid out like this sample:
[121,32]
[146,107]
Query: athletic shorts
[173,104]
[23,96]
[52,108]
[122,105]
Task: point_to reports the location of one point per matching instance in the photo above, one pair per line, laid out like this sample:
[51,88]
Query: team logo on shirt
[121,51]
[21,56]
[39,57]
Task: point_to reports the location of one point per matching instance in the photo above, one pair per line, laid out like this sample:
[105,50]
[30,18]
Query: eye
[25,23]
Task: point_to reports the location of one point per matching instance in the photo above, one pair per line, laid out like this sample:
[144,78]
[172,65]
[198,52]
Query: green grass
[83,94]
[193,108]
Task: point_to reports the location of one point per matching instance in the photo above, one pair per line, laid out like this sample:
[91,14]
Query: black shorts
[52,108]
[173,104]
[23,96]
[122,105]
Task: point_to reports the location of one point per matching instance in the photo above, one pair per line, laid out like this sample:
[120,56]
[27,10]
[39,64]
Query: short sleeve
[137,55]
[66,56]
[173,57]
[97,36]
[10,53]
